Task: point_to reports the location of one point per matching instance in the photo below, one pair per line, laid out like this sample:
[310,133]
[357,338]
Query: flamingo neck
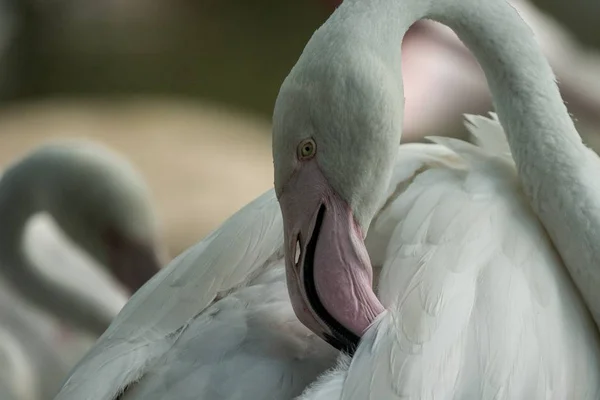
[559,175]
[17,204]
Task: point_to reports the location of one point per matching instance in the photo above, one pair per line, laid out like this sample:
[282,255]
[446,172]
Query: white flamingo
[473,300]
[77,236]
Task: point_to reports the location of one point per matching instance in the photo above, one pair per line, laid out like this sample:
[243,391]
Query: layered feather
[479,305]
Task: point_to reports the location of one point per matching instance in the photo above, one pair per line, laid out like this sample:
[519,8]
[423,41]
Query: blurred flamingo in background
[78,235]
[195,155]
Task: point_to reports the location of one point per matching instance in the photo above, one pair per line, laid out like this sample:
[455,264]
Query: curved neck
[34,365]
[559,175]
[16,206]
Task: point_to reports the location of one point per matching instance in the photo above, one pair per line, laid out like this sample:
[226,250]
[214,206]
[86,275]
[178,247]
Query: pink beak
[328,270]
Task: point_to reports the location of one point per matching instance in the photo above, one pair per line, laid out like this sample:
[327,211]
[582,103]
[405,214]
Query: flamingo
[77,235]
[481,256]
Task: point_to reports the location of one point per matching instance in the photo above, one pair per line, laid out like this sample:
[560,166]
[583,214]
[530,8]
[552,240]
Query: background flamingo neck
[17,205]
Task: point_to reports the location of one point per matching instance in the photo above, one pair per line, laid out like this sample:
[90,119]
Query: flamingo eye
[307,149]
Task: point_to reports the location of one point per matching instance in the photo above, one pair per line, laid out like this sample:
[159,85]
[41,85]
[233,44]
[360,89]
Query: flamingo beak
[328,270]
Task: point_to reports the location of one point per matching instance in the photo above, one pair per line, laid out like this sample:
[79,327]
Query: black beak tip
[343,344]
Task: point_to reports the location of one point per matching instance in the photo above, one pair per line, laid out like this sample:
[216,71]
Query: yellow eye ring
[307,149]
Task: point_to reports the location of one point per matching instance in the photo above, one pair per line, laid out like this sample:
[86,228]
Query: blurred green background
[232,51]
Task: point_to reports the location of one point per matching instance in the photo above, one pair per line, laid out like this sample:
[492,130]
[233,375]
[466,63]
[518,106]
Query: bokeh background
[185,88]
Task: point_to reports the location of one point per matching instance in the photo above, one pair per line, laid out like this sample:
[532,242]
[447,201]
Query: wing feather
[145,328]
[477,298]
[479,306]
[250,336]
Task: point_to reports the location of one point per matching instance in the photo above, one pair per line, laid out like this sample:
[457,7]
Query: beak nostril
[297,251]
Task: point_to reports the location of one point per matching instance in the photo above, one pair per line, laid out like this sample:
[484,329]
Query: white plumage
[479,305]
[162,310]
